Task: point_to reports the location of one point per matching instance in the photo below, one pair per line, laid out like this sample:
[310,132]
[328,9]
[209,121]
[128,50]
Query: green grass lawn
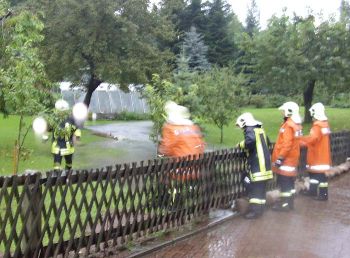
[89,150]
[92,152]
[339,120]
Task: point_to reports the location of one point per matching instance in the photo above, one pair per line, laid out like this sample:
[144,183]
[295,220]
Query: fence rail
[44,215]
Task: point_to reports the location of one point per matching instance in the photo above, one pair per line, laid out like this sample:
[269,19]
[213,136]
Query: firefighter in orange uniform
[285,156]
[180,136]
[318,152]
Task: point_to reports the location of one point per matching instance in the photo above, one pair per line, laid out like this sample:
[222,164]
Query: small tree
[157,93]
[22,77]
[221,95]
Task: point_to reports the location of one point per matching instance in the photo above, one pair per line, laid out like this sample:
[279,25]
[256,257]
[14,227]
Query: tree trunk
[91,87]
[308,96]
[17,147]
[221,134]
[94,82]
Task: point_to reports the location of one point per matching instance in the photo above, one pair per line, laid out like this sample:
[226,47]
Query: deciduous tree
[24,86]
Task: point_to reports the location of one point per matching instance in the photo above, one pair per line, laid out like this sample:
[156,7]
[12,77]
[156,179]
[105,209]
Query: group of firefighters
[181,137]
[285,157]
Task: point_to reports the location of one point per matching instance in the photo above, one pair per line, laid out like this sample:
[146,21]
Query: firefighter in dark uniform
[259,163]
[64,133]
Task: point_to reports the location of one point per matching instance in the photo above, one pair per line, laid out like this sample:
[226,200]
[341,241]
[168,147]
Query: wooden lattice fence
[62,214]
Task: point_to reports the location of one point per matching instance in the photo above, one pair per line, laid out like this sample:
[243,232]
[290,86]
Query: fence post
[32,225]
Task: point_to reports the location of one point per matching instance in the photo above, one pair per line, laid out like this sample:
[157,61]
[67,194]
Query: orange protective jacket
[181,140]
[318,147]
[287,147]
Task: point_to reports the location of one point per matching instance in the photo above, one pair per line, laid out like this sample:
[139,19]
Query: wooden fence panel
[85,211]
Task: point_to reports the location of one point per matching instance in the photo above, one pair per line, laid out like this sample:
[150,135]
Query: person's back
[181,140]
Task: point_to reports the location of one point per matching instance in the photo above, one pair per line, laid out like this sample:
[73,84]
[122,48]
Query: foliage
[106,40]
[157,93]
[185,81]
[257,101]
[23,80]
[193,15]
[252,19]
[131,116]
[221,49]
[341,100]
[221,95]
[195,50]
[295,57]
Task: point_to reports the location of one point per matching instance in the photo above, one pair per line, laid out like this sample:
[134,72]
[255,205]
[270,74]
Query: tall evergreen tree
[173,10]
[253,19]
[196,51]
[345,12]
[221,47]
[194,15]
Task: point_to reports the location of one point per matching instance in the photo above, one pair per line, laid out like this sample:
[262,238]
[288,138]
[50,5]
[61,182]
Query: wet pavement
[130,130]
[313,229]
[132,137]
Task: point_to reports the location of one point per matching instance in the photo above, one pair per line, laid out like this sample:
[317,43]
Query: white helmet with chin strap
[291,109]
[247,119]
[61,105]
[317,112]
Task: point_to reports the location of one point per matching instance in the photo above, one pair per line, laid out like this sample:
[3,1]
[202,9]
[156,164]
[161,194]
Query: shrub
[129,116]
[257,101]
[341,100]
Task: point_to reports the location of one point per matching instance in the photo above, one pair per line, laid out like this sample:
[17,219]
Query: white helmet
[317,112]
[291,109]
[61,105]
[247,119]
[177,114]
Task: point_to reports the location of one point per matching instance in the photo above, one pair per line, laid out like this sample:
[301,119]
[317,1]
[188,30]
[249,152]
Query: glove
[279,162]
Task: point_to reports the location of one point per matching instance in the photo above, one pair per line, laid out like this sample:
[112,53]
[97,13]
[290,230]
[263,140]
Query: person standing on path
[180,138]
[64,133]
[318,153]
[259,163]
[285,156]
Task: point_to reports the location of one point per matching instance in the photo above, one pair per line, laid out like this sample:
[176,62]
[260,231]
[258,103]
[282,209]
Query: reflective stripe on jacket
[259,159]
[319,149]
[62,137]
[287,147]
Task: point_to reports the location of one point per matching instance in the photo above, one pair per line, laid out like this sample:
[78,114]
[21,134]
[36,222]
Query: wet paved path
[133,139]
[314,229]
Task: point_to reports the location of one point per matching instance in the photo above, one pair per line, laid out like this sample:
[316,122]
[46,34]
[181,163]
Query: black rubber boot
[322,194]
[282,205]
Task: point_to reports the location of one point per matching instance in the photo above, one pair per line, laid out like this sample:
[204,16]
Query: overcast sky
[300,7]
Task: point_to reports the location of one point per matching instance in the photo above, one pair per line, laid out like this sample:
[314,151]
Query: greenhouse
[107,99]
